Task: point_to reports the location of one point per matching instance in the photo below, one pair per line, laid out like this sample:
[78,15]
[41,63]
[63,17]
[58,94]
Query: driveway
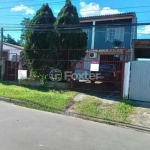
[27,129]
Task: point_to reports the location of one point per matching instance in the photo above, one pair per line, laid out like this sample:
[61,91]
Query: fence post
[1,44]
[123,67]
[16,68]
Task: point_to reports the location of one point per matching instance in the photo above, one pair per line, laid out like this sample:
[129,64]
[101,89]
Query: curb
[109,122]
[9,100]
[131,126]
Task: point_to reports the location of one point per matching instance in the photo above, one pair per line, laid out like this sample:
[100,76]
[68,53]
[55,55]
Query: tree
[72,36]
[9,39]
[39,40]
[25,23]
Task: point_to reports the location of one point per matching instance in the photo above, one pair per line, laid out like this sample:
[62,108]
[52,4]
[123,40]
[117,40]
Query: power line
[58,2]
[54,2]
[19,25]
[77,11]
[142,33]
[82,25]
[50,3]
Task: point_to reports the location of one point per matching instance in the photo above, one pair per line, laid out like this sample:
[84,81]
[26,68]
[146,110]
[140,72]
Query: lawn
[95,108]
[42,98]
[58,100]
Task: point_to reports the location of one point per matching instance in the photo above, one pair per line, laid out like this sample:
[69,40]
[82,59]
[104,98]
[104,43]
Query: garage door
[140,81]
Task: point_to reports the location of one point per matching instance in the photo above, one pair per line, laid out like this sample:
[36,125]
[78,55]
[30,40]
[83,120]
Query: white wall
[126,80]
[11,51]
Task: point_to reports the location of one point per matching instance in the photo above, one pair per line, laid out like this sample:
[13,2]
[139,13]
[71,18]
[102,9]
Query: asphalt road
[27,129]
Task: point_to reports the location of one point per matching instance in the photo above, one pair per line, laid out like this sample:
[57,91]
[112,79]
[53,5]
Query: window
[115,34]
[87,32]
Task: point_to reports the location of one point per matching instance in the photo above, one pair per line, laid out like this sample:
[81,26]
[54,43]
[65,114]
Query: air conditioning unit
[93,55]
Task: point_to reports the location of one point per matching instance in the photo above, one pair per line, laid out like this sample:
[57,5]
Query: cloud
[56,11]
[108,10]
[26,9]
[144,30]
[93,9]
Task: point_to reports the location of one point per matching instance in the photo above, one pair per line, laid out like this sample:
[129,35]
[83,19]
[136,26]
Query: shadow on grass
[134,103]
[37,88]
[107,97]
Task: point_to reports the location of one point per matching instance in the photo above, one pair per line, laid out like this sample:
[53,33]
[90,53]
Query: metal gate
[140,81]
[11,67]
[113,85]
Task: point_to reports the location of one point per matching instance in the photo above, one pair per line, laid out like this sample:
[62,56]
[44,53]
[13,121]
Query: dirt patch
[141,116]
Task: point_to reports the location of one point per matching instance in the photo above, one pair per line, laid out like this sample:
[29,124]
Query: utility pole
[2,61]
[1,44]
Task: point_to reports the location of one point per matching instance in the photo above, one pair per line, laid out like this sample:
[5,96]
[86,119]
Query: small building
[11,52]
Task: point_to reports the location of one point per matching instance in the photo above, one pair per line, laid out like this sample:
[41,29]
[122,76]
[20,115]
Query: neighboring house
[102,31]
[12,52]
[140,49]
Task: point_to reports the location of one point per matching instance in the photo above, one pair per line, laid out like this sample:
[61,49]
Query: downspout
[93,35]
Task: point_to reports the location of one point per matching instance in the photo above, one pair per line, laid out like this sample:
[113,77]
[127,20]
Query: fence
[75,68]
[11,67]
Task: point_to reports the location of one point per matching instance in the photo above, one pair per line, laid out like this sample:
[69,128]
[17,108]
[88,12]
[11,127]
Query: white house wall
[11,51]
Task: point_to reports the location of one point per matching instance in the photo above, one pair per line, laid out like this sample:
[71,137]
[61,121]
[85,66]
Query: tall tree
[25,23]
[39,40]
[9,39]
[70,35]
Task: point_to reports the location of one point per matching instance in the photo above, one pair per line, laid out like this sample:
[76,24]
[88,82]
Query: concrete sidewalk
[26,129]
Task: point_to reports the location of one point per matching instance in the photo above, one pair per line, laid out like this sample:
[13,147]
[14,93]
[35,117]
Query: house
[11,52]
[102,31]
[139,83]
[11,56]
[140,49]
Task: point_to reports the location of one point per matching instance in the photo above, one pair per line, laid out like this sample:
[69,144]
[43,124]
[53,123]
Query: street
[27,129]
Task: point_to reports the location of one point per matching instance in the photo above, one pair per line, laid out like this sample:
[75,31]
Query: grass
[95,108]
[57,100]
[42,98]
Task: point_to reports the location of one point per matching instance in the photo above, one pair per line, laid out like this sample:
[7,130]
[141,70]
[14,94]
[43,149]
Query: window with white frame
[87,32]
[113,34]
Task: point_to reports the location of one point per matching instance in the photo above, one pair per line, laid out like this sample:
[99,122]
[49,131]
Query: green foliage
[43,98]
[39,45]
[117,43]
[44,38]
[10,40]
[124,108]
[72,37]
[67,15]
[96,108]
[25,23]
[43,79]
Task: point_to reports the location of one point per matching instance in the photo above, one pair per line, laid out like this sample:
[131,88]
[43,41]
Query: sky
[12,12]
